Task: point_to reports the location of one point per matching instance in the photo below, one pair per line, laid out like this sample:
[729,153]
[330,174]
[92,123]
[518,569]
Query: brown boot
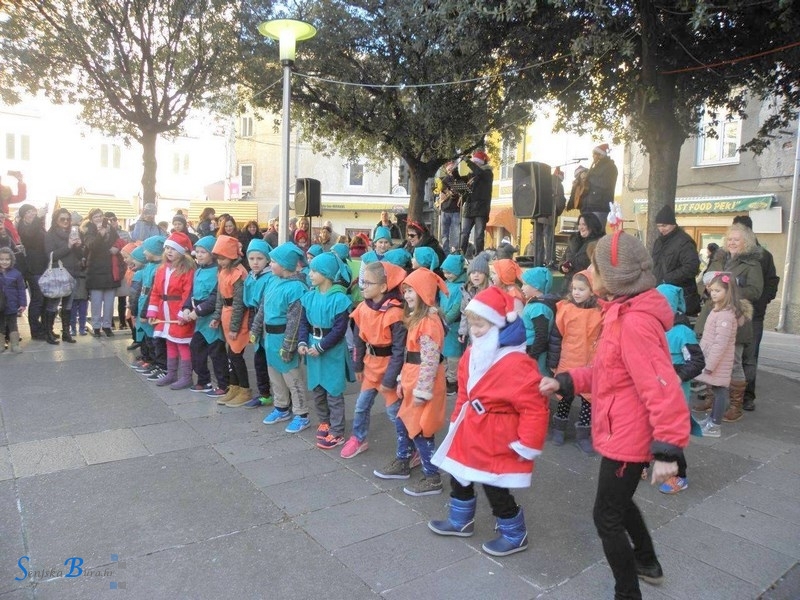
[705,400]
[231,393]
[243,397]
[734,413]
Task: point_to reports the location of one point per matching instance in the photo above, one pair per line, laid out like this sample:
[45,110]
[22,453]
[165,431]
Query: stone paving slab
[270,444]
[6,470]
[748,494]
[12,545]
[292,466]
[774,479]
[750,524]
[725,551]
[67,404]
[166,437]
[754,447]
[475,578]
[45,456]
[137,506]
[268,561]
[233,424]
[786,587]
[107,446]
[596,582]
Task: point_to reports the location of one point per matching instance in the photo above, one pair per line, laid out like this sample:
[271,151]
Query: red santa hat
[602,149]
[180,242]
[494,305]
[480,157]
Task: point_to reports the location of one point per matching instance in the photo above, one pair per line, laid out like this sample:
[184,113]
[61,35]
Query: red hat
[425,283]
[494,305]
[180,242]
[602,149]
[480,155]
[227,247]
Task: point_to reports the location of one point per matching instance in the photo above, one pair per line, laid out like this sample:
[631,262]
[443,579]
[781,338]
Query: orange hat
[227,247]
[589,275]
[130,247]
[508,271]
[394,275]
[425,283]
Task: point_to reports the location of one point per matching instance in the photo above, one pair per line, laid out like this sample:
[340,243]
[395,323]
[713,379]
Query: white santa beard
[482,355]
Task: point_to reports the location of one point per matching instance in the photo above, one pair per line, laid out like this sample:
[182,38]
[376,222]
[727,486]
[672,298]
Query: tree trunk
[663,143]
[150,166]
[418,174]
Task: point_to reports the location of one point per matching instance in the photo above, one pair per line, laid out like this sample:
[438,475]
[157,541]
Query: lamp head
[287,32]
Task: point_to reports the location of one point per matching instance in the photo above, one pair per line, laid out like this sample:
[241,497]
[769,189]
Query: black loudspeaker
[532,193]
[307,200]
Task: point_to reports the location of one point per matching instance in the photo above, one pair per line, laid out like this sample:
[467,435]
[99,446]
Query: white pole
[283,211]
[788,265]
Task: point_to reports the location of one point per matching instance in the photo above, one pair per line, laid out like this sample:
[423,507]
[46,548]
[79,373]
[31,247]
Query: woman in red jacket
[638,410]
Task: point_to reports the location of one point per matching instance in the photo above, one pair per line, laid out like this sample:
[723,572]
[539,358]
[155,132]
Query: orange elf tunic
[226,279]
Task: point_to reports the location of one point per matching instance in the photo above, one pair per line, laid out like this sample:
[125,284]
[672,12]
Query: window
[508,156]
[180,163]
[246,127]
[110,156]
[246,173]
[356,174]
[18,146]
[723,149]
[11,146]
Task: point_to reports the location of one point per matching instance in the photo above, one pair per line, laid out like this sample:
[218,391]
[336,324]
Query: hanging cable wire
[731,61]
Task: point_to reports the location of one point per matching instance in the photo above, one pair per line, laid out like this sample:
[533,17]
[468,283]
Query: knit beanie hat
[206,242]
[494,305]
[154,244]
[287,255]
[341,250]
[25,208]
[149,209]
[227,247]
[179,242]
[398,256]
[674,296]
[425,282]
[382,233]
[331,266]
[539,278]
[624,265]
[508,271]
[426,257]
[480,264]
[314,250]
[258,245]
[454,263]
[180,218]
[666,216]
[75,217]
[138,254]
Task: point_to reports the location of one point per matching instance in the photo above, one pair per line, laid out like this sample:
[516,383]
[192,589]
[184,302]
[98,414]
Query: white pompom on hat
[494,305]
[602,149]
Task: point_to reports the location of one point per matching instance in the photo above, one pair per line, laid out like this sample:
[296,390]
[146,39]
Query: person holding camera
[103,273]
[68,249]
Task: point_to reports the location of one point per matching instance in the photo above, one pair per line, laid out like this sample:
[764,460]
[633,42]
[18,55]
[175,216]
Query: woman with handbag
[103,271]
[60,245]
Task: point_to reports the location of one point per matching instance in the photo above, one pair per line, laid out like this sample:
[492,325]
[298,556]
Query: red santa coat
[499,423]
[171,291]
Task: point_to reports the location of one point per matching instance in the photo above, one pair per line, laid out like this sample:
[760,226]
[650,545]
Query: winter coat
[171,292]
[145,229]
[13,286]
[56,240]
[638,407]
[771,281]
[602,180]
[498,424]
[675,261]
[32,237]
[746,269]
[574,336]
[479,202]
[101,273]
[576,257]
[718,344]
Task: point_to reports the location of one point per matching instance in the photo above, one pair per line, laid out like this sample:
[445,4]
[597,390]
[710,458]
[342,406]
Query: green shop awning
[713,204]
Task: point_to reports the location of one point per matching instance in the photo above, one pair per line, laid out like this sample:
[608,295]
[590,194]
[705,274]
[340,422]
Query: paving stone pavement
[152,494]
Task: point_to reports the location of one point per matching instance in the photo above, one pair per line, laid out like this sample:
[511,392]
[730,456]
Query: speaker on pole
[307,198]
[532,191]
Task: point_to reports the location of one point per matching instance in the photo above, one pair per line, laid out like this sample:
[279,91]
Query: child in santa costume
[422,385]
[172,288]
[379,338]
[498,425]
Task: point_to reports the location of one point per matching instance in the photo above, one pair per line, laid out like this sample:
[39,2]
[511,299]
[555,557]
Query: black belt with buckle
[275,328]
[414,358]
[379,350]
[320,332]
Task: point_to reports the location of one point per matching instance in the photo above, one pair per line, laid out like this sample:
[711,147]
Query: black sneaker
[155,374]
[652,574]
[108,332]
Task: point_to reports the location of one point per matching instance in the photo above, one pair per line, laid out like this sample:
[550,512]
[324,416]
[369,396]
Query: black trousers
[201,351]
[238,368]
[158,348]
[500,499]
[750,359]
[617,517]
[262,374]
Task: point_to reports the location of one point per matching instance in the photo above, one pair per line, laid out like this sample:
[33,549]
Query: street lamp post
[287,32]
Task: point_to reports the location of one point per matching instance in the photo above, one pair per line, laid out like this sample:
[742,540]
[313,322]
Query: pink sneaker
[414,461]
[353,447]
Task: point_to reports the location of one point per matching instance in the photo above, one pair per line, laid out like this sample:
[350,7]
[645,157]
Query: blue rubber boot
[460,522]
[513,536]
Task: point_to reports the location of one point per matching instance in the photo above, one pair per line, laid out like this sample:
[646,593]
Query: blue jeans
[480,233]
[102,308]
[424,445]
[451,231]
[361,415]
